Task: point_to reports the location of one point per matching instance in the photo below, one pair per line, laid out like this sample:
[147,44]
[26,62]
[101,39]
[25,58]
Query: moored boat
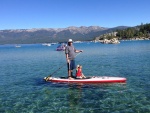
[61,47]
[91,80]
[46,44]
[17,46]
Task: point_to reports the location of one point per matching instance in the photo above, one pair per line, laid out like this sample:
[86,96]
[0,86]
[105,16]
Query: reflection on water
[86,98]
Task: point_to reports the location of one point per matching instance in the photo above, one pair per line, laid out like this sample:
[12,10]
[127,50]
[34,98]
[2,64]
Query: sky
[28,14]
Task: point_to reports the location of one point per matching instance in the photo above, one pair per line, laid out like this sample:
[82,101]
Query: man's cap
[70,40]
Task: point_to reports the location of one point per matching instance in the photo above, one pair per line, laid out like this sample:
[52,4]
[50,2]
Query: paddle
[47,78]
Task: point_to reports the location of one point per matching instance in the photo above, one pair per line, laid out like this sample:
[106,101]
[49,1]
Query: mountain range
[48,35]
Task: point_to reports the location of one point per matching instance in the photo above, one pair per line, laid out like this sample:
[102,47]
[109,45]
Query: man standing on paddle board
[70,57]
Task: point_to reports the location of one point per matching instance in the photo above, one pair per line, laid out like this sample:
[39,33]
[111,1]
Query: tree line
[141,32]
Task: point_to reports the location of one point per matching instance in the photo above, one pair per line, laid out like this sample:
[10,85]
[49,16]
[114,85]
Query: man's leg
[72,74]
[69,71]
[69,74]
[72,67]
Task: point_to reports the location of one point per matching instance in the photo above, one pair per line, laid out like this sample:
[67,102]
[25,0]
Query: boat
[88,80]
[46,44]
[17,46]
[53,43]
[61,47]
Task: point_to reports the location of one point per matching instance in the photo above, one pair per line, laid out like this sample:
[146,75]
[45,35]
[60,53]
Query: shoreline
[117,41]
[83,41]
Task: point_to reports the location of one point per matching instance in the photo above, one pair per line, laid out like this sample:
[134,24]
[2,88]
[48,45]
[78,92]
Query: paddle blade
[47,78]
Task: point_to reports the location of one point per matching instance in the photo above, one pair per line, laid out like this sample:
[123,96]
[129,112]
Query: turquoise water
[22,89]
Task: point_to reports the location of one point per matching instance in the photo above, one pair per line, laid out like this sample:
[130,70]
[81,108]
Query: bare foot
[70,78]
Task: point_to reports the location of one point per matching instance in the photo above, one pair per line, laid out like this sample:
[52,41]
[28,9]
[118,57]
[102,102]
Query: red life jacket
[79,72]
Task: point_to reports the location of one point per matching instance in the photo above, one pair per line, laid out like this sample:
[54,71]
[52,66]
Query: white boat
[17,46]
[46,44]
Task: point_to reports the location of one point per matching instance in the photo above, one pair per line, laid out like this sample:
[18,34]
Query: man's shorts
[71,66]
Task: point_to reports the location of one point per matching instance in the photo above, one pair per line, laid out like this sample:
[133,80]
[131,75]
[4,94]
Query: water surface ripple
[22,89]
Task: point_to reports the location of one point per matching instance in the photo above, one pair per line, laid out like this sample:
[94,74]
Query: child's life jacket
[78,72]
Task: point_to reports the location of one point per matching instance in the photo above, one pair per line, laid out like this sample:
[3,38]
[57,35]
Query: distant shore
[117,41]
[101,41]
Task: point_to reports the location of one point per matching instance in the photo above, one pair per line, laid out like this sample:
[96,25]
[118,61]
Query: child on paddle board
[79,73]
